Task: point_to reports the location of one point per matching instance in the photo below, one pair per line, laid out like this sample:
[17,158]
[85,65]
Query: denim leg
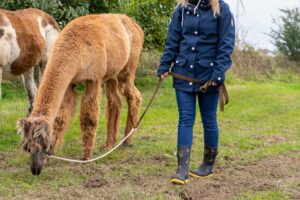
[186,102]
[208,103]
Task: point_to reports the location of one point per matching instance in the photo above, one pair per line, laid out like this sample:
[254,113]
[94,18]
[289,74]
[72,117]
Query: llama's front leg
[89,116]
[28,79]
[1,71]
[113,112]
[63,118]
[134,100]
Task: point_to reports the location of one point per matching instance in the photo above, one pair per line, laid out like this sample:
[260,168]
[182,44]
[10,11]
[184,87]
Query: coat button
[219,78]
[188,12]
[193,48]
[191,83]
[177,61]
[198,15]
[211,64]
[191,66]
[196,32]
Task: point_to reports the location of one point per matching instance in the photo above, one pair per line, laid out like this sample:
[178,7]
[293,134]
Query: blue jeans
[208,104]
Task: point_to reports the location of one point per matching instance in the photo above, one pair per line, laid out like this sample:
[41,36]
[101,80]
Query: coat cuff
[217,78]
[162,69]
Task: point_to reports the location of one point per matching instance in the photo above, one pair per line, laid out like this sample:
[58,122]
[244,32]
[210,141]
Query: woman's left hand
[213,83]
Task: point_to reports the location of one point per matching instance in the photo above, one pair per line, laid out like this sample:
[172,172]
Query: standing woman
[200,41]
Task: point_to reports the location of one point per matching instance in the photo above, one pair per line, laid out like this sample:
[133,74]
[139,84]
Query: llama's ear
[23,126]
[42,128]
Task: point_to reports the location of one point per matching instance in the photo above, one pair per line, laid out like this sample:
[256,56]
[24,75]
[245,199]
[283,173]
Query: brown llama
[26,37]
[93,49]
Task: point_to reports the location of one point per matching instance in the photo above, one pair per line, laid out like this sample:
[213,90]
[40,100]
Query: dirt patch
[274,139]
[95,183]
[159,158]
[278,173]
[2,156]
[267,174]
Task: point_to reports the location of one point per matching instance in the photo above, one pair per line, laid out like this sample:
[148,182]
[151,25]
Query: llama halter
[123,140]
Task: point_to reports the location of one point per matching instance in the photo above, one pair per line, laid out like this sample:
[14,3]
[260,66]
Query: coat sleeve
[173,42]
[226,32]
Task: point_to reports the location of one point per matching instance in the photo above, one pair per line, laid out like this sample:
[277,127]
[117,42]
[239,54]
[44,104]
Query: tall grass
[248,64]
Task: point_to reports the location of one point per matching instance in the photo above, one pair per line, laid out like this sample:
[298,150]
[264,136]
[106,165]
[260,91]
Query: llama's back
[102,42]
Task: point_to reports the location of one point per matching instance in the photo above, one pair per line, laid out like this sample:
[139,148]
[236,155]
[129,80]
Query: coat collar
[199,3]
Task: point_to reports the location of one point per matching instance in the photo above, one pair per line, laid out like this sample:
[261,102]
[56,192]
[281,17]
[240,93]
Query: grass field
[259,151]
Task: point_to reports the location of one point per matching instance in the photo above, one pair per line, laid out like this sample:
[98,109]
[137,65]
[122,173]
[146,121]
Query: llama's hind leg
[63,118]
[133,96]
[113,112]
[134,101]
[28,79]
[89,116]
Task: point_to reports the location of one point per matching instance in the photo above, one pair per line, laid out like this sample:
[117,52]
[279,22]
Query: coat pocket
[206,63]
[180,62]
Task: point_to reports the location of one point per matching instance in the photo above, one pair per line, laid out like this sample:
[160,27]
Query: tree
[287,35]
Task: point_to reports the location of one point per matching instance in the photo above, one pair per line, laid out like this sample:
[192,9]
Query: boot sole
[198,176]
[178,181]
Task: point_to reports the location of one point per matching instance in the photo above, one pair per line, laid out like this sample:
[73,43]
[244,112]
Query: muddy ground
[277,173]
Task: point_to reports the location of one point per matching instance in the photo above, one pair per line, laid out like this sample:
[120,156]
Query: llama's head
[35,140]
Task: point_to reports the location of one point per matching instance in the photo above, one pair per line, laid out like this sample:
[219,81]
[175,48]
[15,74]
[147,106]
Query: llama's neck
[56,80]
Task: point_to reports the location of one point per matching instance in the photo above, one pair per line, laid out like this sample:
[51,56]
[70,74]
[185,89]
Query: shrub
[286,37]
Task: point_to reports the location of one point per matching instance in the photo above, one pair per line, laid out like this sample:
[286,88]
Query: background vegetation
[152,15]
[260,140]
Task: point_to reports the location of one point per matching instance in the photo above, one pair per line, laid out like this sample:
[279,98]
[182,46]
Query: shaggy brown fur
[91,50]
[26,37]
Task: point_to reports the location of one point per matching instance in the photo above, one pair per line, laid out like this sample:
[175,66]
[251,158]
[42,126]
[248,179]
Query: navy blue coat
[199,44]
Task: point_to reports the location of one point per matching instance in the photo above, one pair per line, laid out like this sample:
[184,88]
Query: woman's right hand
[164,75]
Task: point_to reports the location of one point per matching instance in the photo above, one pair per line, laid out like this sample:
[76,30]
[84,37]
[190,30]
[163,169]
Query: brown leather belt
[223,94]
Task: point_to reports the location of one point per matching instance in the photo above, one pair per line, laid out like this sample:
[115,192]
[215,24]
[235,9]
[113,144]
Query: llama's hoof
[125,144]
[86,158]
[106,147]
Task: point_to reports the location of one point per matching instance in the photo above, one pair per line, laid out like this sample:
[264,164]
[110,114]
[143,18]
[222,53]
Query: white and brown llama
[93,49]
[26,37]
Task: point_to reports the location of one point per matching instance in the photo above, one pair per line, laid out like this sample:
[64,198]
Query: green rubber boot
[182,175]
[206,169]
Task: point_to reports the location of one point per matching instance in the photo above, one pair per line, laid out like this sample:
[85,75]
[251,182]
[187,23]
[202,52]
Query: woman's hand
[213,83]
[164,75]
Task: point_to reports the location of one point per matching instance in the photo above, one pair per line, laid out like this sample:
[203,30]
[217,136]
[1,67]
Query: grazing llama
[26,37]
[93,49]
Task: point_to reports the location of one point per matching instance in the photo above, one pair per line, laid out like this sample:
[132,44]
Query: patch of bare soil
[2,156]
[274,173]
[95,183]
[280,172]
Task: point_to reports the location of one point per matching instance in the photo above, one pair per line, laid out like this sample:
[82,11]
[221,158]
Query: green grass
[266,195]
[261,121]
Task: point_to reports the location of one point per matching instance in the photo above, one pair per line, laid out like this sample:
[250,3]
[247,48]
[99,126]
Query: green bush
[62,11]
[152,15]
